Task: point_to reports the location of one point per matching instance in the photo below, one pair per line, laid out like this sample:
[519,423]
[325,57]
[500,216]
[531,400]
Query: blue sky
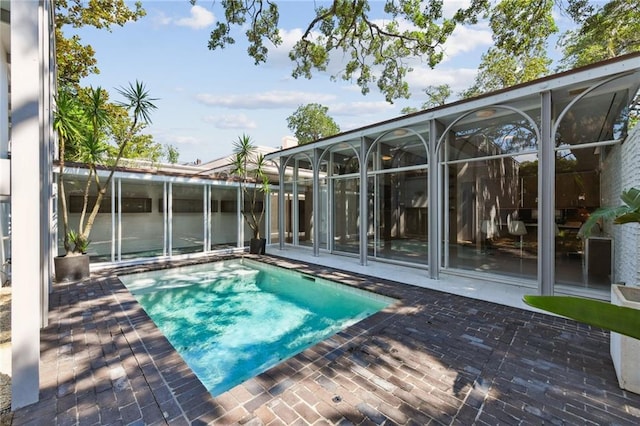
[208,98]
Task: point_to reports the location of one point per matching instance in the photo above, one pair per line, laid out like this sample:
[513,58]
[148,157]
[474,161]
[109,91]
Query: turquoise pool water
[232,320]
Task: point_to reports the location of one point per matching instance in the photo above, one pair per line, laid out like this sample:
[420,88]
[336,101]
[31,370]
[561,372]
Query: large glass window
[142,219]
[346,214]
[491,209]
[398,219]
[101,236]
[304,194]
[187,219]
[587,177]
[224,218]
[345,199]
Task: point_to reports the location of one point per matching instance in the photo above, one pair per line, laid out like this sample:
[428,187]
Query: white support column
[364,146]
[281,203]
[316,202]
[240,217]
[28,258]
[436,199]
[546,199]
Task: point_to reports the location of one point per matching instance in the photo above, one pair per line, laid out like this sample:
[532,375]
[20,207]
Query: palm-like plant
[619,319]
[87,126]
[629,212]
[249,166]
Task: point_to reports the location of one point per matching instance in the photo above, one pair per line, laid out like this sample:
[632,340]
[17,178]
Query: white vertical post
[546,199]
[27,138]
[240,217]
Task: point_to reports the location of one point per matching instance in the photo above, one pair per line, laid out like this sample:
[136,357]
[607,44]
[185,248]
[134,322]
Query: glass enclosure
[491,214]
[142,220]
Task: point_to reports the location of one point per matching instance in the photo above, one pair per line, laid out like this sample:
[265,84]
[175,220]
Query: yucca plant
[83,126]
[249,166]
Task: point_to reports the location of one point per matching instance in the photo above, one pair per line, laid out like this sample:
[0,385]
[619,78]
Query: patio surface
[430,358]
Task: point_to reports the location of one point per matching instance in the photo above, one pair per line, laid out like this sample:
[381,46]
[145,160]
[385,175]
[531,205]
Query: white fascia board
[148,177]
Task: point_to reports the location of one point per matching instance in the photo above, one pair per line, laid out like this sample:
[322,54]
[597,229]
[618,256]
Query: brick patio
[430,358]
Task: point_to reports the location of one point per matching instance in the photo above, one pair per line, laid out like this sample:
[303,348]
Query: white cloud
[239,121]
[182,140]
[360,108]
[200,18]
[458,78]
[160,19]
[264,100]
[467,39]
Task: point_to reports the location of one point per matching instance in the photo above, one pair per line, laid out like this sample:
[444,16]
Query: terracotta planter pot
[71,268]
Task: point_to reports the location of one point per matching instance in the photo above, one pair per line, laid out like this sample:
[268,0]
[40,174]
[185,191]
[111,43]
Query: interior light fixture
[485,113]
[400,132]
[386,157]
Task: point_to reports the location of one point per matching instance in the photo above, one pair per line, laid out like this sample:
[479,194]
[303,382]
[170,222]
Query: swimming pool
[234,319]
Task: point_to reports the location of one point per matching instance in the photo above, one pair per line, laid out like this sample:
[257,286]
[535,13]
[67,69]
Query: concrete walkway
[430,358]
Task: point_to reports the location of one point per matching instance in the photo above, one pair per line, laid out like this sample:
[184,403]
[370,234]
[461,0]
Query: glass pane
[305,212]
[323,220]
[397,150]
[493,216]
[344,159]
[505,132]
[580,174]
[274,215]
[288,212]
[188,219]
[401,216]
[100,247]
[601,115]
[224,218]
[346,211]
[142,232]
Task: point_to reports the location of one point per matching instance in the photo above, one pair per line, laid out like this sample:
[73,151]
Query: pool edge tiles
[219,356]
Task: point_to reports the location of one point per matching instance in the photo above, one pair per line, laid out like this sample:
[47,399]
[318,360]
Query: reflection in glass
[346,210]
[188,219]
[100,247]
[224,218]
[142,231]
[401,215]
[579,177]
[493,217]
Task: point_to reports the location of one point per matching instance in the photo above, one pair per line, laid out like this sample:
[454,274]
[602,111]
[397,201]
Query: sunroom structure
[496,186]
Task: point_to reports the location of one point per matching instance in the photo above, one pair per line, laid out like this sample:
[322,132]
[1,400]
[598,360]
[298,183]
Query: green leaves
[249,166]
[345,27]
[138,99]
[311,122]
[629,212]
[611,30]
[619,319]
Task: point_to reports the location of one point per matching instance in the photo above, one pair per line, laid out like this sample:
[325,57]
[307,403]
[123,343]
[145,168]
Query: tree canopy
[374,51]
[311,122]
[380,51]
[74,59]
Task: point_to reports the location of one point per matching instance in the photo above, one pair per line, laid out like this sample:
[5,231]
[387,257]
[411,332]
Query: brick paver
[430,358]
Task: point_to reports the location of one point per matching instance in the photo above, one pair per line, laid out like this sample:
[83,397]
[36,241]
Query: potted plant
[248,165]
[82,124]
[622,315]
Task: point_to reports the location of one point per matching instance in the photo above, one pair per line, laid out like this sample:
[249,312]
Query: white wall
[627,236]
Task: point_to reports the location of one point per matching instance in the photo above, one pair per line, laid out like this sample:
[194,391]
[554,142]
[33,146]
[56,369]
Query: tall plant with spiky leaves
[68,122]
[93,122]
[249,166]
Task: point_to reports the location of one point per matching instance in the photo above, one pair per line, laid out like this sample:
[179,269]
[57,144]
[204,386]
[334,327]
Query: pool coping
[104,361]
